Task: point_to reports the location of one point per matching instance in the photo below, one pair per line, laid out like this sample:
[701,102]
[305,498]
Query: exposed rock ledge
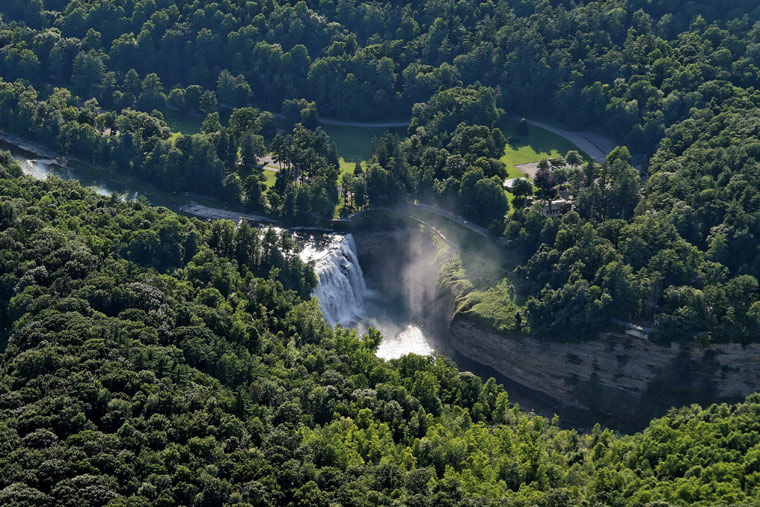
[617,379]
[614,370]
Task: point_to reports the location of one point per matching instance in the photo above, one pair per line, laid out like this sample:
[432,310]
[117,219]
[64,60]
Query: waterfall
[341,286]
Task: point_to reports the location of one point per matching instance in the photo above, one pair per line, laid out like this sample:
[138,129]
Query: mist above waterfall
[402,288]
[401,268]
[418,275]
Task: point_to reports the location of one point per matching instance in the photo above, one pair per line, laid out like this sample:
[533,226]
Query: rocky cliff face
[383,256]
[621,379]
[620,375]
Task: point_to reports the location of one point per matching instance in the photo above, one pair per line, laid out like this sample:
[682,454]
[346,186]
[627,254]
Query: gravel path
[529,170]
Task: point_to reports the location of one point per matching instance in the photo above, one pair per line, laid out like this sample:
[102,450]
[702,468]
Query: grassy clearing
[495,306]
[537,145]
[476,295]
[354,144]
[513,172]
[183,123]
[347,167]
[269,178]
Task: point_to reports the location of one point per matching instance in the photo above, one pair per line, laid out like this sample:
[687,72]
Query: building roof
[556,206]
[558,203]
[511,182]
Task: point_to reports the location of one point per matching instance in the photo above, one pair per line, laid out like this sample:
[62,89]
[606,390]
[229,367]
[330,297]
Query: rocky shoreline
[37,149]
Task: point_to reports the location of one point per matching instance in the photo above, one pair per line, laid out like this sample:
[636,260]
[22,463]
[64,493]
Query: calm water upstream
[102,181]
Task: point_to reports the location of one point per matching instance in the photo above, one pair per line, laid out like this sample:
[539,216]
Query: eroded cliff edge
[404,262]
[621,379]
[615,372]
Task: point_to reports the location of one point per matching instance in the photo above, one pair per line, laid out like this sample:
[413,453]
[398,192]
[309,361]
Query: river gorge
[386,273]
[620,379]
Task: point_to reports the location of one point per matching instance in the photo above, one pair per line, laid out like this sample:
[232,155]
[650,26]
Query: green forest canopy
[672,80]
[156,360]
[159,360]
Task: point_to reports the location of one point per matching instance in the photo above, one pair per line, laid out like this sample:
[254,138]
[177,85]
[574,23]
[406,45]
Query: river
[346,297]
[39,163]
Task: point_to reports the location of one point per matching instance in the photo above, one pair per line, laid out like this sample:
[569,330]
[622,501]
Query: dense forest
[672,245]
[153,359]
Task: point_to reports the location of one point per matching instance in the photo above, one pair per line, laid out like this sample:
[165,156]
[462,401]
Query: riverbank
[619,379]
[420,301]
[106,181]
[410,281]
[37,149]
[208,213]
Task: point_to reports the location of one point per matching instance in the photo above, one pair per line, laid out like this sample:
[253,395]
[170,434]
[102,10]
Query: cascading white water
[344,298]
[341,287]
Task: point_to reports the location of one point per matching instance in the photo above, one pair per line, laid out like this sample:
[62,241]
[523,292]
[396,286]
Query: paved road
[268,163]
[453,244]
[450,216]
[365,125]
[411,205]
[596,146]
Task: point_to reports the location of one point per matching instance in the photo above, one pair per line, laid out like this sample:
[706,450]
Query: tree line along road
[595,145]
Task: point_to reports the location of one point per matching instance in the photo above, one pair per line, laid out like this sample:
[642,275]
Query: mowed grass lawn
[354,144]
[269,178]
[183,123]
[536,146]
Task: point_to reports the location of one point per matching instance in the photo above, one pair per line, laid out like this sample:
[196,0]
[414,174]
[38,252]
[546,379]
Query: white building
[510,183]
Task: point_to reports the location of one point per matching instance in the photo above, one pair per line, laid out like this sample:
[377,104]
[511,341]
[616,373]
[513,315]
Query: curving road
[365,125]
[411,205]
[596,146]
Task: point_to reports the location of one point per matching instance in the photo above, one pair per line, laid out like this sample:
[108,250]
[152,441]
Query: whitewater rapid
[341,288]
[345,300]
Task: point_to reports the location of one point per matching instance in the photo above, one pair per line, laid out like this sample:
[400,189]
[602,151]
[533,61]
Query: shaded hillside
[149,363]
